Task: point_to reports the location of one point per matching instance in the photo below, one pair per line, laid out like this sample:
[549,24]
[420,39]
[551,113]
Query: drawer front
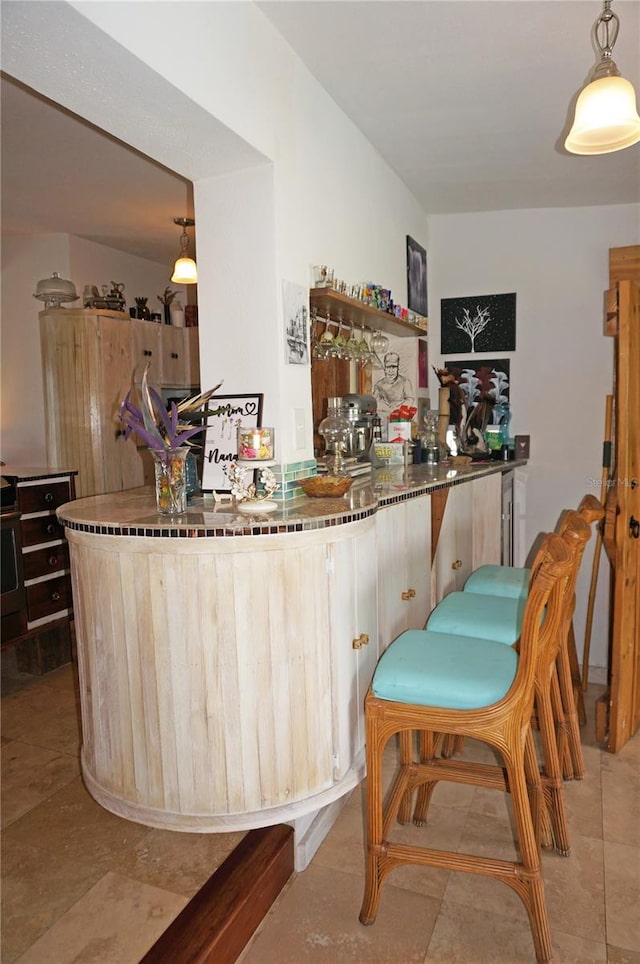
[46,598]
[41,529]
[42,498]
[45,561]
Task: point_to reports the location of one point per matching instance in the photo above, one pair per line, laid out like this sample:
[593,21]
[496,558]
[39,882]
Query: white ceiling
[467,100]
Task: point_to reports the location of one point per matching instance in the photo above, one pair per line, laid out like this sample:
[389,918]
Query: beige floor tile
[71,824]
[621,794]
[622,880]
[30,774]
[620,955]
[177,862]
[583,800]
[575,890]
[464,933]
[117,921]
[316,919]
[37,888]
[52,722]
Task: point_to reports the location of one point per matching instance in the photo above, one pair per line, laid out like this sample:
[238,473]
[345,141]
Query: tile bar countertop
[133,512]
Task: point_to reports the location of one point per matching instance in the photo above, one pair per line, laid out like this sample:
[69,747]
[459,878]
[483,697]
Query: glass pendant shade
[606,118]
[185,272]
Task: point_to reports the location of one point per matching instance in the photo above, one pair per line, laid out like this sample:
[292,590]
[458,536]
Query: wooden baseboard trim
[219,920]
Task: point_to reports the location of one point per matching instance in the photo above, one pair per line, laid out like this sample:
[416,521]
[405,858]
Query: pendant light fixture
[606,117]
[184,271]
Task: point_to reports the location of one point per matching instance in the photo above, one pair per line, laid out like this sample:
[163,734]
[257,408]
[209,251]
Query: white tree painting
[473,325]
[480,323]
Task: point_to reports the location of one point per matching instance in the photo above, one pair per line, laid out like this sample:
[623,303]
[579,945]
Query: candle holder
[245,493]
[256,444]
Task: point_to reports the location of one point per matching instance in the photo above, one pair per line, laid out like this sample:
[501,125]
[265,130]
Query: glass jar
[171,480]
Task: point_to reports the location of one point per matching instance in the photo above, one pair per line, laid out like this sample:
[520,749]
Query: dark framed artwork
[480,323]
[484,379]
[228,413]
[416,277]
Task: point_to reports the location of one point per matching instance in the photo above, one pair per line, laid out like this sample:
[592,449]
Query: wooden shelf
[340,307]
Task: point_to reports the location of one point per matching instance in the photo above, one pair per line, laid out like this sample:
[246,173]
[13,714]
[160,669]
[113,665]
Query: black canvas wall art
[480,323]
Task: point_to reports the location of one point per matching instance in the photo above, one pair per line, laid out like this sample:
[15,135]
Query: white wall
[557,263]
[26,259]
[329,198]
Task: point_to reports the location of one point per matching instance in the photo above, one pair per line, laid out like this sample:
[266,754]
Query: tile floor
[81,885]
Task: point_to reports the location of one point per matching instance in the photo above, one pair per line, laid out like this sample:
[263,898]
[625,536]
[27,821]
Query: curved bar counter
[224,658]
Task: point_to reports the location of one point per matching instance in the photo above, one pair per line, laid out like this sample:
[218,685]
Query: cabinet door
[175,357]
[352,607]
[453,559]
[404,560]
[486,521]
[193,357]
[147,351]
[121,467]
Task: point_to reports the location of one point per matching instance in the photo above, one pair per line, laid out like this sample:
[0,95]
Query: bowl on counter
[325,486]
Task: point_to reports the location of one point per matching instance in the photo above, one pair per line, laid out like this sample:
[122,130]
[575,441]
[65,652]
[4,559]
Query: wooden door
[624,718]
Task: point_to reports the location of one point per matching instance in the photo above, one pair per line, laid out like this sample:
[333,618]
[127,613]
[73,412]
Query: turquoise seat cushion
[453,672]
[469,614]
[508,581]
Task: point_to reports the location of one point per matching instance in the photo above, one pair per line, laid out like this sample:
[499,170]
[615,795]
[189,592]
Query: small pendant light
[606,117]
[184,271]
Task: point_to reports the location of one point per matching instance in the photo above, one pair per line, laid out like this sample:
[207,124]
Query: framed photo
[296,323]
[480,323]
[228,413]
[416,278]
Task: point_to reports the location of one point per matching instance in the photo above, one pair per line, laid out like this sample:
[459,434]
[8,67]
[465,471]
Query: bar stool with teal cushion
[489,617]
[432,683]
[510,581]
[431,668]
[500,618]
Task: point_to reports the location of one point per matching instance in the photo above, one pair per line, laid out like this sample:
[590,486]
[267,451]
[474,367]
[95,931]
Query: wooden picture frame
[228,413]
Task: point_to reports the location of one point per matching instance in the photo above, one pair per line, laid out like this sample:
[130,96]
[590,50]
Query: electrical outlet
[300,427]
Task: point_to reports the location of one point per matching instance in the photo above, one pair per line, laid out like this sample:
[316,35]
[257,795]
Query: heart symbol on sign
[251,408]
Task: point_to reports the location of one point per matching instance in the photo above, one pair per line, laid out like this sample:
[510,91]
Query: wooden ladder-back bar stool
[499,616]
[434,683]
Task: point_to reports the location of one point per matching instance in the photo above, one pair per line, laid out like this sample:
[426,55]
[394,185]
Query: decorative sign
[228,413]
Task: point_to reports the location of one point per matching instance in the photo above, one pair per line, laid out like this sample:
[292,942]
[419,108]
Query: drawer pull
[54,562]
[147,352]
[51,528]
[457,564]
[174,354]
[361,641]
[49,497]
[409,594]
[55,597]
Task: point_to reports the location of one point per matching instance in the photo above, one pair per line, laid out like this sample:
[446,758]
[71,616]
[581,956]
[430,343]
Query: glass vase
[171,481]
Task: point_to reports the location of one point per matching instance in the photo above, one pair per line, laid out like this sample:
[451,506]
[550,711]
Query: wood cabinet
[90,360]
[42,624]
[403,536]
